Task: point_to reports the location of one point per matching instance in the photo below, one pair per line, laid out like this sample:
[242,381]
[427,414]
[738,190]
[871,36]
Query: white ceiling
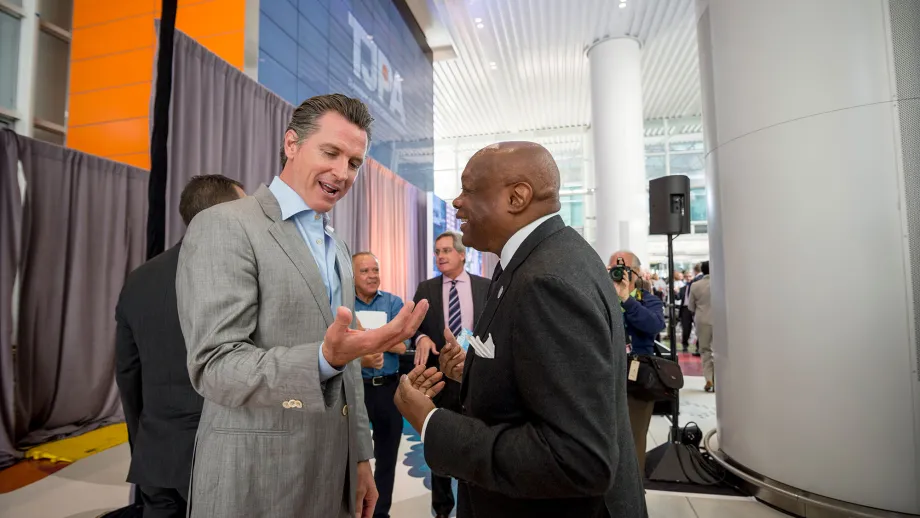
[540,77]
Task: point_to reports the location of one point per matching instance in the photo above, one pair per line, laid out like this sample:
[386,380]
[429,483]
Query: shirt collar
[373,299]
[463,277]
[290,202]
[518,239]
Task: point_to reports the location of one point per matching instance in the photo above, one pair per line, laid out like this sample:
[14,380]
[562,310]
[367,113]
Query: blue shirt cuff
[327,371]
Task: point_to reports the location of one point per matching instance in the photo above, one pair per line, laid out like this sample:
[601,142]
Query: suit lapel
[548,228]
[343,268]
[290,240]
[436,301]
[287,235]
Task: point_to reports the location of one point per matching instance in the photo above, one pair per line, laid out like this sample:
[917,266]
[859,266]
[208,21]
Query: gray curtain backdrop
[10,241]
[83,231]
[221,122]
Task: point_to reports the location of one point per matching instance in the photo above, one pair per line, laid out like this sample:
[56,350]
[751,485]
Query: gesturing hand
[342,345]
[424,346]
[452,357]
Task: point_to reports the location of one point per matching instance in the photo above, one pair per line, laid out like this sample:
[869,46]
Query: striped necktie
[455,319]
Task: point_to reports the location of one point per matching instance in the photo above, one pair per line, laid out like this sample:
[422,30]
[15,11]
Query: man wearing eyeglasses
[643,316]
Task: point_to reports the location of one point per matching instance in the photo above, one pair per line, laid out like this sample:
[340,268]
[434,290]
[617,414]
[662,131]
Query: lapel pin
[501,289]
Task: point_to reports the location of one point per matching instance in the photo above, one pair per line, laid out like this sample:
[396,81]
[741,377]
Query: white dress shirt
[508,251]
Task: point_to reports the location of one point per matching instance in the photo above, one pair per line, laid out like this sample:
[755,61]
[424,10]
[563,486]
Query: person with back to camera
[643,317]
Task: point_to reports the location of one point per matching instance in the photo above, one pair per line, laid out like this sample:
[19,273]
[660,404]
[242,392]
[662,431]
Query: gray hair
[361,254]
[457,239]
[305,117]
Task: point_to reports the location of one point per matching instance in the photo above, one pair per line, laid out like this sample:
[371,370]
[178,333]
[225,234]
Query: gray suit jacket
[273,440]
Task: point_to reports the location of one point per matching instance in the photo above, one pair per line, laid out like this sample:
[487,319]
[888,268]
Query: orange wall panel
[211,18]
[111,138]
[91,12]
[112,37]
[228,46]
[111,104]
[112,67]
[112,70]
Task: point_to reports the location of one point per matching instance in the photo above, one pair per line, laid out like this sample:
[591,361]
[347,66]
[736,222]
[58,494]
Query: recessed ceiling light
[622,5]
[479,25]
[478,20]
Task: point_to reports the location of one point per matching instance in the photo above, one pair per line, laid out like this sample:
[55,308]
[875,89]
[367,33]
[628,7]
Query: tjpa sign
[377,74]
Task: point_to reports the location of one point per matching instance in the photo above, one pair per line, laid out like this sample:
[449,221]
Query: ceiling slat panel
[541,78]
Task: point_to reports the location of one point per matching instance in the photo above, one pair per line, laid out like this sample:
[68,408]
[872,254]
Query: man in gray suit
[264,293]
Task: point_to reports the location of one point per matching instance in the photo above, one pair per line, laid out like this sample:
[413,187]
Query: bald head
[629,258]
[509,163]
[506,186]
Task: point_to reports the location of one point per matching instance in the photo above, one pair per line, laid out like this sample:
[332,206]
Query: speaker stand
[665,463]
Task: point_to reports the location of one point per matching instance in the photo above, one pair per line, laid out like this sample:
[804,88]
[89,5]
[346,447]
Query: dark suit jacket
[545,430]
[433,326]
[161,407]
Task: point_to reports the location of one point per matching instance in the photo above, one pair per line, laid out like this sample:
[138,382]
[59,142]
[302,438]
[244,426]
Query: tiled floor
[96,484]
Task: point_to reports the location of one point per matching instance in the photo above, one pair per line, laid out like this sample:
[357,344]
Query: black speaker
[669,205]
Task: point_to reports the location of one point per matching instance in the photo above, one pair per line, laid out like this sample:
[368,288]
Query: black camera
[620,270]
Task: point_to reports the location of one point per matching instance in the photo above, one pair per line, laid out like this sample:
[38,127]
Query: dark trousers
[388,424]
[686,326]
[442,492]
[164,502]
[442,495]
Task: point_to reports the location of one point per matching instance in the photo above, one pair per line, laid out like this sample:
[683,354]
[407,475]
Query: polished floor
[96,484]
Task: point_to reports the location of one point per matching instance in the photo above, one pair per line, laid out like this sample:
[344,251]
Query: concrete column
[621,197]
[812,120]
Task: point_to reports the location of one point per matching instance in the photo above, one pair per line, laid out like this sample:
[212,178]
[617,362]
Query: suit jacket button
[286,404]
[297,403]
[345,410]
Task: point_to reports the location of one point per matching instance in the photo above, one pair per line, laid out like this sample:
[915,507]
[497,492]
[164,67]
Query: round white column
[620,196]
[814,286]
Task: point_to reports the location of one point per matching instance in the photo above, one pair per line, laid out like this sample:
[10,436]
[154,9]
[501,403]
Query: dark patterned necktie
[455,319]
[495,276]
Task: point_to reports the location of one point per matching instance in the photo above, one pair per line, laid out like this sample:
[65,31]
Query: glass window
[57,12]
[690,145]
[572,211]
[655,166]
[9,59]
[657,147]
[50,93]
[698,204]
[690,164]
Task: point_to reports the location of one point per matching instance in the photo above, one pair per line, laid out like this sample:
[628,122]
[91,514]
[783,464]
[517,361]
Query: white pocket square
[485,350]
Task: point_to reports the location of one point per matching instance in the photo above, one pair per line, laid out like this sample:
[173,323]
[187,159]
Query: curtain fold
[10,240]
[221,122]
[83,231]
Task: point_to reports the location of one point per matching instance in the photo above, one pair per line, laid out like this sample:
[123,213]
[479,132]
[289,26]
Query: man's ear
[290,143]
[520,197]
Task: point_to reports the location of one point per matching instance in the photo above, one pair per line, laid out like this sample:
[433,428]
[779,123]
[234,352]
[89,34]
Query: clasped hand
[342,344]
[413,397]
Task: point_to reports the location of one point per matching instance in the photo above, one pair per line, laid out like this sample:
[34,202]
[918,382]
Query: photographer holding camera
[643,316]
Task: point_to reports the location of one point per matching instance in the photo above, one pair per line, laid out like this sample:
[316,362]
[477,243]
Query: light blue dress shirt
[313,229]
